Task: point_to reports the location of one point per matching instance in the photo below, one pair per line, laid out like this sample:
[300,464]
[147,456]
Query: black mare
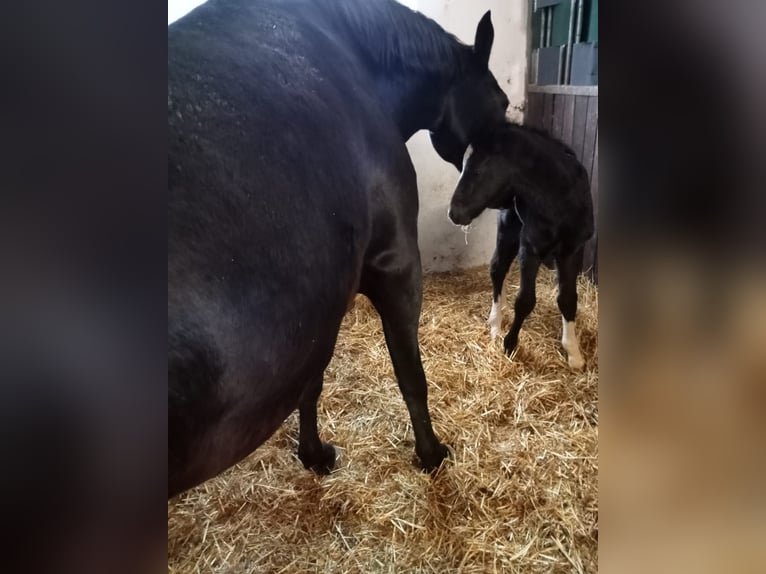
[290,190]
[546,210]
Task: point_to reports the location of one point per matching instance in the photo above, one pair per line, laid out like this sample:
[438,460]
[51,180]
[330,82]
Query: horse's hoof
[322,462]
[432,461]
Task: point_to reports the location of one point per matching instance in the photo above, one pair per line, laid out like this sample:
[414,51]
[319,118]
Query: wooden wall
[570,113]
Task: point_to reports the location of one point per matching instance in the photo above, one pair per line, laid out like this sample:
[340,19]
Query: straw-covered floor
[520,496]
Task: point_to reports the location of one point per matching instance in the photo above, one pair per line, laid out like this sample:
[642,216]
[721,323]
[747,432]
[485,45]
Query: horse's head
[473,103]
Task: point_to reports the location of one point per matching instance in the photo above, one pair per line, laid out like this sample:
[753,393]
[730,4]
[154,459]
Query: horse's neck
[411,58]
[414,101]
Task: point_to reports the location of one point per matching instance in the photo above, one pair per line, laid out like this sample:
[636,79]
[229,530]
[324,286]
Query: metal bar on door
[568,47]
[548,25]
[578,25]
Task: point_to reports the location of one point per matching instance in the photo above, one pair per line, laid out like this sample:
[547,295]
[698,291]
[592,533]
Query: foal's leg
[397,296]
[506,248]
[568,267]
[525,298]
[314,454]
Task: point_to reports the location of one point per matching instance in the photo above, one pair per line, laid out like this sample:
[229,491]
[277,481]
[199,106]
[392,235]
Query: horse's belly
[230,394]
[223,443]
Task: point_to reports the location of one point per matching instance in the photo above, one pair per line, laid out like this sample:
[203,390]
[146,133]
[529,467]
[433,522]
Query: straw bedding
[520,495]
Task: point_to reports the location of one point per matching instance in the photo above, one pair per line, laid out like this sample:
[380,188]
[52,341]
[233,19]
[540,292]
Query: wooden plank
[533,115]
[590,258]
[567,129]
[541,113]
[578,129]
[570,90]
[547,112]
[558,115]
[591,126]
[594,177]
[590,255]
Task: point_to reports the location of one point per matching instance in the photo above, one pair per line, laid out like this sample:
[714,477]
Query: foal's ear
[485,34]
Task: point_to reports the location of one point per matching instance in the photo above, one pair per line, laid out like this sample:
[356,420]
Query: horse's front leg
[397,295]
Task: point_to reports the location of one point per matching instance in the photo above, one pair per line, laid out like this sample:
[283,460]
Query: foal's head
[473,102]
[483,182]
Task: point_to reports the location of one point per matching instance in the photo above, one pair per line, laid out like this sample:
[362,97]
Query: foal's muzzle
[459,215]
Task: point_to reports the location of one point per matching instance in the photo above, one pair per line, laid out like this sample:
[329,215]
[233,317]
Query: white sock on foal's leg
[571,344]
[496,316]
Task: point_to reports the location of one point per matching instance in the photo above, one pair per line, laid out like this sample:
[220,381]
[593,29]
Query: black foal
[543,194]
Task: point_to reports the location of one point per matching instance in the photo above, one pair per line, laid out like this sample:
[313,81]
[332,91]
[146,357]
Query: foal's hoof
[509,344]
[321,462]
[576,362]
[495,326]
[432,460]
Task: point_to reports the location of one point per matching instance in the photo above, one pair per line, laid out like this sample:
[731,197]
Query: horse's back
[258,153]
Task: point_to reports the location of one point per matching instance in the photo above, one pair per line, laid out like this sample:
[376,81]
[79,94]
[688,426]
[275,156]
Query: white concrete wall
[443,245]
[178,8]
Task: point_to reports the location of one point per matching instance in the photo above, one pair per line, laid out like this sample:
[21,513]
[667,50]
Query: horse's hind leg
[506,248]
[314,454]
[568,267]
[525,298]
[397,296]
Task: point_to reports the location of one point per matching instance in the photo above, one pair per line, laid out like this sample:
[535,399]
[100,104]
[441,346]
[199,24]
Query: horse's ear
[485,34]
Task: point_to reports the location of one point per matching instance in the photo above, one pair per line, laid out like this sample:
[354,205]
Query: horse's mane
[396,38]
